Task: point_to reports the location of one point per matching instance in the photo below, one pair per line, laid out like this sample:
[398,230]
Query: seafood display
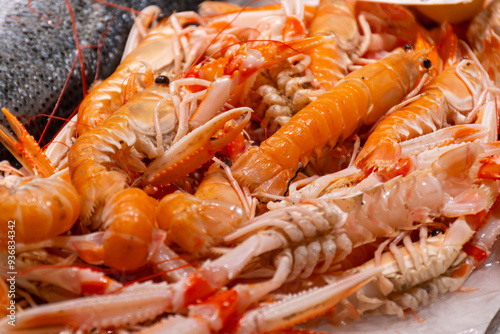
[260,169]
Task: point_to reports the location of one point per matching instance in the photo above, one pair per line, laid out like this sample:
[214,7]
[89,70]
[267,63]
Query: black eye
[436,232]
[161,79]
[408,47]
[192,24]
[161,16]
[427,63]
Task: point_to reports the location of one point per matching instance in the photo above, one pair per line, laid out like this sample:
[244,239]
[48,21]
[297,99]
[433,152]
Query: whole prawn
[90,165]
[413,273]
[329,62]
[156,52]
[484,36]
[361,98]
[447,99]
[41,206]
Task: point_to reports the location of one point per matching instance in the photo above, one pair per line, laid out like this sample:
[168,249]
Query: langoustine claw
[196,148]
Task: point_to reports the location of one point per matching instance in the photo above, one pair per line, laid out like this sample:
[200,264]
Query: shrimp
[447,99]
[157,51]
[198,222]
[329,62]
[416,272]
[130,237]
[484,36]
[439,262]
[36,207]
[27,201]
[90,166]
[330,119]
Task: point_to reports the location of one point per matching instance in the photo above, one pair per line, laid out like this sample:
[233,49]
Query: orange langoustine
[361,98]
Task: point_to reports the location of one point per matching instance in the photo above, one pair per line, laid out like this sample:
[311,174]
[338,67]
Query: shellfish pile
[247,169]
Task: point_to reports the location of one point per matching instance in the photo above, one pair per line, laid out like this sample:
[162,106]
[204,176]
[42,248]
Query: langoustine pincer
[416,225]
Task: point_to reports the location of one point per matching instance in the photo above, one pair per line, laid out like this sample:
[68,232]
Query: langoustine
[449,98]
[484,36]
[329,119]
[28,199]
